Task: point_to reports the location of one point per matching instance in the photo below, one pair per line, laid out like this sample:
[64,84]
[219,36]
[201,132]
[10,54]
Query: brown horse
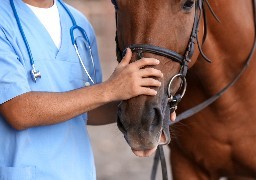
[219,141]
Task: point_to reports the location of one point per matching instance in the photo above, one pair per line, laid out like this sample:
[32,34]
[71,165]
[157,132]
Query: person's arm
[46,108]
[43,108]
[103,115]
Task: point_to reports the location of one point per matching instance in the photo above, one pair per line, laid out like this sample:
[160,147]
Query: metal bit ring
[183,83]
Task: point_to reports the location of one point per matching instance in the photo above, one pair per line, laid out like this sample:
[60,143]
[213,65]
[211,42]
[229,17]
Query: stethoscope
[35,74]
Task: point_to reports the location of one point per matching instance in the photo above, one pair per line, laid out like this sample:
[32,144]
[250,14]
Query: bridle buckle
[174,100]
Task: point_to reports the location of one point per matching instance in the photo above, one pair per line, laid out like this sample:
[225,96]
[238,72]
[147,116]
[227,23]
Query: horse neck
[227,44]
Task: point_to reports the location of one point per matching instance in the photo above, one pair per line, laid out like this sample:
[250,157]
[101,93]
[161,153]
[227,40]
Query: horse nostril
[120,125]
[157,118]
[155,122]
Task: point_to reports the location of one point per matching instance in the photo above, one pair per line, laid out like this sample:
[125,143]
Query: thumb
[127,58]
[173,116]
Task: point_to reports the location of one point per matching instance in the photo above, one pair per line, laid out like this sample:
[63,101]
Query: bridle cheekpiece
[183,60]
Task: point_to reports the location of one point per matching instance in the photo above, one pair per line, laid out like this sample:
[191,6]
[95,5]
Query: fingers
[148,91]
[150,82]
[147,72]
[127,58]
[173,116]
[146,62]
[133,79]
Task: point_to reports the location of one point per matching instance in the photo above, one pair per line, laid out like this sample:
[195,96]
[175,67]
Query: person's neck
[40,3]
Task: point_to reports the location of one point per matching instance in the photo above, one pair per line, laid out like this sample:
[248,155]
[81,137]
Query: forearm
[102,115]
[43,108]
[46,108]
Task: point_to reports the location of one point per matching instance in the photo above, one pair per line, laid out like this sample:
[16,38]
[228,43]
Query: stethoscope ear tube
[82,31]
[82,63]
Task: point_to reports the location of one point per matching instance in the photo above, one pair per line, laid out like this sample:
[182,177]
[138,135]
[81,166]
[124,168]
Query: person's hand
[173,116]
[133,79]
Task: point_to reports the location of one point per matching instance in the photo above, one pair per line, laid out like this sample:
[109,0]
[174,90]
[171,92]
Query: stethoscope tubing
[36,74]
[22,34]
[84,34]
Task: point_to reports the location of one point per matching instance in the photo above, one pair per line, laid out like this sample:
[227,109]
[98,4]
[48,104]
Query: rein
[208,102]
[190,112]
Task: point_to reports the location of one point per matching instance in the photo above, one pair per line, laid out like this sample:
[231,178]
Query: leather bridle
[184,60]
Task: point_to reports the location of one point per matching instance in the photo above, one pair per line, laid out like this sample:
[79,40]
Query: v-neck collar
[27,12]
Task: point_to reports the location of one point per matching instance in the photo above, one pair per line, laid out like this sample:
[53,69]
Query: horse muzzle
[143,131]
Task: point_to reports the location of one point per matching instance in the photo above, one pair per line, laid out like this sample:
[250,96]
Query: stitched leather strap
[211,100]
[159,156]
[147,48]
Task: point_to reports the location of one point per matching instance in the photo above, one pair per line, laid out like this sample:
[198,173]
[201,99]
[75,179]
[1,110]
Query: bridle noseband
[183,60]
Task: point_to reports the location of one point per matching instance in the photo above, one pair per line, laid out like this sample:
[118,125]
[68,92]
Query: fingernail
[157,61]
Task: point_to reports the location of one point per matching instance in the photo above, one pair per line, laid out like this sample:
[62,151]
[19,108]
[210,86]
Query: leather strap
[155,165]
[211,100]
[172,55]
[184,61]
[159,156]
[148,48]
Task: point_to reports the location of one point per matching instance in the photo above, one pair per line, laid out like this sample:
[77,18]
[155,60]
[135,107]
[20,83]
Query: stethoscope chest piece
[35,74]
[87,84]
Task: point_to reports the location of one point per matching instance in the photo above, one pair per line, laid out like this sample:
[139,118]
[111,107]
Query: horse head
[165,30]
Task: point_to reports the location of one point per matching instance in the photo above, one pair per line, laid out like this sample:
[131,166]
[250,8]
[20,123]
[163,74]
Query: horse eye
[114,2]
[188,5]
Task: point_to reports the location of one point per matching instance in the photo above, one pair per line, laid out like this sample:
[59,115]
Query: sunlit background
[113,157]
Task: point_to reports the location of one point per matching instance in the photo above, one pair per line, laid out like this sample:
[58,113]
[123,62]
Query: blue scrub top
[56,152]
